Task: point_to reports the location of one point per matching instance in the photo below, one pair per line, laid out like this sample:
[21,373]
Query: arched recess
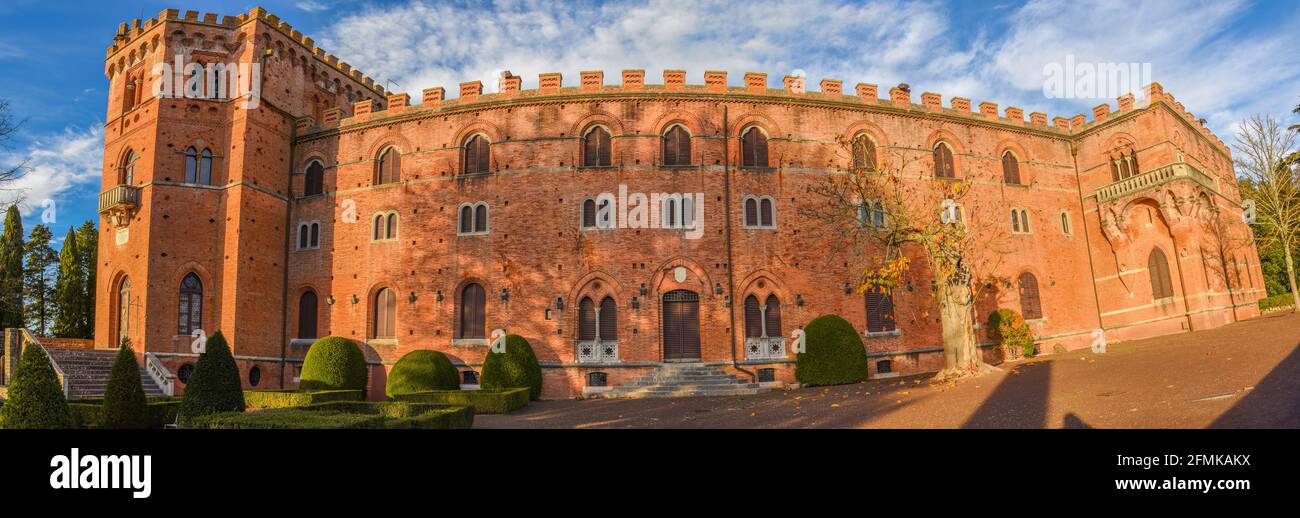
[961,166]
[492,131]
[664,280]
[490,296]
[211,309]
[388,138]
[598,117]
[1022,159]
[695,125]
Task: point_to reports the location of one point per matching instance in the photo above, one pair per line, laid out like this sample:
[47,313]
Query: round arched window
[184,372]
[254,376]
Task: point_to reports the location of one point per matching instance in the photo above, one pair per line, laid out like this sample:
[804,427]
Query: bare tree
[8,127]
[882,216]
[1266,157]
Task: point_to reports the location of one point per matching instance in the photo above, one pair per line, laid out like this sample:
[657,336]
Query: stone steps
[683,380]
[86,371]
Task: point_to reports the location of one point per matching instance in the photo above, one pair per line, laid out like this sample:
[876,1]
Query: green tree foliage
[35,395]
[124,404]
[334,363]
[88,245]
[12,250]
[834,353]
[38,280]
[1008,329]
[421,371]
[214,386]
[70,291]
[515,368]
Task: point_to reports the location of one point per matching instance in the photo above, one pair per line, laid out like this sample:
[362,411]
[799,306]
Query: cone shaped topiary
[421,371]
[35,395]
[124,403]
[834,355]
[334,363]
[515,368]
[214,386]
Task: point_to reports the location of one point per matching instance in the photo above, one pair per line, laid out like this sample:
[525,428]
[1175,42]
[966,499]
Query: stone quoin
[334,207]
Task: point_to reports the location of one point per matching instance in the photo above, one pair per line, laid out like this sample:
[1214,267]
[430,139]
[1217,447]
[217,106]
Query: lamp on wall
[717,288]
[411,298]
[355,299]
[438,296]
[559,303]
[798,300]
[847,288]
[644,290]
[329,300]
[636,303]
[505,293]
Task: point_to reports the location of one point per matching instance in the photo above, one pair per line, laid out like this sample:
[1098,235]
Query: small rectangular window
[766,375]
[596,379]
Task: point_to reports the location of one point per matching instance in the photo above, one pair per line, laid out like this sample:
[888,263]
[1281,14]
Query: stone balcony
[1156,178]
[119,202]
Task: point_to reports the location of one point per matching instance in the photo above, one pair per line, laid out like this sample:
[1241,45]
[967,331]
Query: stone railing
[1155,178]
[597,351]
[17,340]
[765,348]
[160,373]
[119,197]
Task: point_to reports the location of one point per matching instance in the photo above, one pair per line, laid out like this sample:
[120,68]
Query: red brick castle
[334,207]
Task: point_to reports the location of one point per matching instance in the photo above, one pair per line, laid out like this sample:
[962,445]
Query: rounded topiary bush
[515,368]
[1009,330]
[214,387]
[124,403]
[35,395]
[421,371]
[834,353]
[334,363]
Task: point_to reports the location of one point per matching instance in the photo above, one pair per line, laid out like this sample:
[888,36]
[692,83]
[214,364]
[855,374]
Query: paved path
[1245,374]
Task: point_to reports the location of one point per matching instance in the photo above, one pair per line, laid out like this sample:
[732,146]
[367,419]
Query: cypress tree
[215,386]
[70,291]
[38,275]
[12,251]
[124,403]
[88,245]
[35,396]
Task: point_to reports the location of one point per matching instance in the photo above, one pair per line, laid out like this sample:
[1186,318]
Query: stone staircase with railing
[86,372]
[683,380]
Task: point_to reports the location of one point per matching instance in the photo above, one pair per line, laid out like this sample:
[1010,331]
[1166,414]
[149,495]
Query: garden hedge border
[484,401]
[87,413]
[344,415]
[265,399]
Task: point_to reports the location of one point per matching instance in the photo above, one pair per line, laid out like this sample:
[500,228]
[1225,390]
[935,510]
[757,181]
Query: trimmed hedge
[125,406]
[215,386]
[158,412]
[834,353]
[35,395]
[1009,330]
[345,414]
[485,401]
[421,371]
[1281,300]
[515,368]
[257,399]
[334,363]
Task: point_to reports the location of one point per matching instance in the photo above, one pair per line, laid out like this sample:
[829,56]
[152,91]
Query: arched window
[379,227]
[391,227]
[1020,221]
[753,146]
[128,168]
[880,310]
[473,312]
[760,212]
[388,168]
[1010,169]
[315,181]
[1161,285]
[191,165]
[766,216]
[677,146]
[878,215]
[595,147]
[753,318]
[751,212]
[864,153]
[586,319]
[205,167]
[191,305]
[385,314]
[303,231]
[124,310]
[772,316]
[307,315]
[608,320]
[1065,224]
[1031,306]
[481,218]
[386,226]
[477,155]
[943,165]
[466,225]
[589,213]
[762,320]
[315,235]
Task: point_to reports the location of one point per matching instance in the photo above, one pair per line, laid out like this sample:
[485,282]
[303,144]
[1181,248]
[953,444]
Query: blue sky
[1223,59]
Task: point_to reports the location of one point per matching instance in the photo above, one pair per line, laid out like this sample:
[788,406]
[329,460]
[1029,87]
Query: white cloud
[311,6]
[55,165]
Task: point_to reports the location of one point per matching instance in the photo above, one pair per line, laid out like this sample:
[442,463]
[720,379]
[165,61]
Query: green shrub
[515,368]
[35,395]
[159,411]
[334,363]
[1009,330]
[257,399]
[124,403]
[214,386]
[1281,300]
[346,414]
[834,353]
[485,401]
[421,371]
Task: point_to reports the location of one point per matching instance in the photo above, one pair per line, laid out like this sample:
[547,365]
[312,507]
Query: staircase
[86,371]
[683,380]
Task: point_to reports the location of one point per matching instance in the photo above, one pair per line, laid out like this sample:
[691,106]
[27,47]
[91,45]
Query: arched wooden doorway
[681,332]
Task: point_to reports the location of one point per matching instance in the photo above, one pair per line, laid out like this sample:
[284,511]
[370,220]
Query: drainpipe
[289,235]
[1083,222]
[731,267]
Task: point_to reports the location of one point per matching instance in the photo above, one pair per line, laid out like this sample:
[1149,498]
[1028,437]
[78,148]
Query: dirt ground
[1243,375]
